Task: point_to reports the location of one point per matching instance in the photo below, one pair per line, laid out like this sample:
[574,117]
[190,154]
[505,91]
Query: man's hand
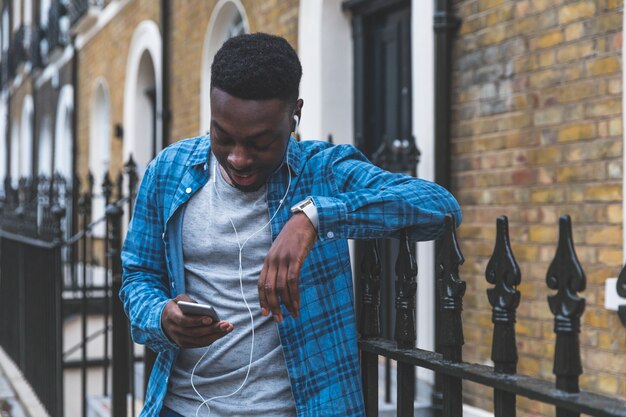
[191,331]
[281,269]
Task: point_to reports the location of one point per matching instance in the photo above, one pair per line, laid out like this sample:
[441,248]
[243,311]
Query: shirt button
[188,190]
[330,235]
[172,284]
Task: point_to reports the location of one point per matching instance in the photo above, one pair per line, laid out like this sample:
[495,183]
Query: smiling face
[249,137]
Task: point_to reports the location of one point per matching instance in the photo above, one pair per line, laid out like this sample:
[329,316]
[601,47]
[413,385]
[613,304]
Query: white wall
[423,96]
[63,141]
[146,39]
[44,157]
[99,149]
[220,28]
[325,51]
[26,138]
[15,152]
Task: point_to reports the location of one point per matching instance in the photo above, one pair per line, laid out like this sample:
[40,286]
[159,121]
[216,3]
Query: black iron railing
[35,50]
[57,31]
[20,47]
[79,8]
[5,68]
[564,275]
[82,278]
[36,297]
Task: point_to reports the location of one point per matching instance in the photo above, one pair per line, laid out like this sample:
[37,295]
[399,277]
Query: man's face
[249,137]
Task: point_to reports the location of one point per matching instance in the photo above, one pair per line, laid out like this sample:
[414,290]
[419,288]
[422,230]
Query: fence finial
[107,188]
[370,296]
[406,287]
[567,277]
[451,291]
[503,271]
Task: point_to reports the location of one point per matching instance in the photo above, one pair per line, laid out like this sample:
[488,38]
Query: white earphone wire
[241,246]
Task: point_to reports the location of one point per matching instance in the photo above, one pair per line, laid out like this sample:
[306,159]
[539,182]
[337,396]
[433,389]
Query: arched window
[5,30]
[26,138]
[99,150]
[63,133]
[14,159]
[28,12]
[44,9]
[44,154]
[142,98]
[17,13]
[227,20]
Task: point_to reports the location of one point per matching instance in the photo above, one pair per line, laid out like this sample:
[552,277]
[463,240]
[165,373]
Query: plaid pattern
[354,199]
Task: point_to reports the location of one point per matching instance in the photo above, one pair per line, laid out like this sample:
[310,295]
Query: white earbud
[296,119]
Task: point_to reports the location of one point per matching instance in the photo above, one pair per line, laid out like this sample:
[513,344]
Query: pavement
[17,398]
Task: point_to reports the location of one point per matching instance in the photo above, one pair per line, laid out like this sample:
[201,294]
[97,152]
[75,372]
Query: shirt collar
[200,154]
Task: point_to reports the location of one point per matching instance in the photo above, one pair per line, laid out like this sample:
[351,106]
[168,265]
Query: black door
[382,75]
[382,103]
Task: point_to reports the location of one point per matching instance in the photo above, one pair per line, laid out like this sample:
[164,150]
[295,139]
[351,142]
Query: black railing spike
[369,321]
[120,185]
[405,332]
[450,291]
[370,294]
[406,287]
[107,188]
[567,277]
[451,288]
[621,291]
[131,170]
[330,138]
[130,167]
[58,213]
[503,271]
[90,182]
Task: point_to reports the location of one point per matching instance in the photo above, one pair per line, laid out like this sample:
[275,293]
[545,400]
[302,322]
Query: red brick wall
[537,132]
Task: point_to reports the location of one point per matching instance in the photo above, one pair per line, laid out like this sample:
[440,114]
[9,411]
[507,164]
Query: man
[213,224]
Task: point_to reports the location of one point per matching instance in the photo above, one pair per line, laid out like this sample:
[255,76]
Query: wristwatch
[307,206]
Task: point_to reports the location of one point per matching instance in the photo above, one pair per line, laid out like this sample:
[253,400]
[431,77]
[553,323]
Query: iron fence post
[503,271]
[451,290]
[121,343]
[369,323]
[405,332]
[567,277]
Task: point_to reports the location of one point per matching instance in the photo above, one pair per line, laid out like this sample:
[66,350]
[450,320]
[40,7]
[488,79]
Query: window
[227,20]
[17,14]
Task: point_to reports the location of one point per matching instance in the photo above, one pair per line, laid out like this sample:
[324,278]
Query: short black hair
[257,66]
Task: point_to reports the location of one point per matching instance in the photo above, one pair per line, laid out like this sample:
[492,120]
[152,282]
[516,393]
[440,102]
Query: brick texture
[105,56]
[537,132]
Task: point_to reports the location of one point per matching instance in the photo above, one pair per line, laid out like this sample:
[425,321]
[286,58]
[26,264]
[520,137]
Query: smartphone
[198,309]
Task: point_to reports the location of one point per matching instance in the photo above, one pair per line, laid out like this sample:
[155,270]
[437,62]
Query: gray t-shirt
[211,256]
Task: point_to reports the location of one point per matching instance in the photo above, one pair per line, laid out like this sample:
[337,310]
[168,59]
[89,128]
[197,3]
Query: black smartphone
[198,309]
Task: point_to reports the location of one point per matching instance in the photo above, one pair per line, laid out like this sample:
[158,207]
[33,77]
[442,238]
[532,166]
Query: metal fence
[565,275]
[55,266]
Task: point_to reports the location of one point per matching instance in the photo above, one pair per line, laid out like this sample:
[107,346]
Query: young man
[213,224]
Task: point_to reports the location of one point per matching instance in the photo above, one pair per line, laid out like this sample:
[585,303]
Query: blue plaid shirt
[354,199]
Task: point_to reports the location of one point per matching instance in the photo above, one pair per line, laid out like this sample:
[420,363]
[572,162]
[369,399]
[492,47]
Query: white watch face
[301,205]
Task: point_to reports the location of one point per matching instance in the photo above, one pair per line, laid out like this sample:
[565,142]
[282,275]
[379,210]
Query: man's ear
[297,111]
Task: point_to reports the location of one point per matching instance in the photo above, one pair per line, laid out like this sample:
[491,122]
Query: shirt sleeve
[144,291]
[368,202]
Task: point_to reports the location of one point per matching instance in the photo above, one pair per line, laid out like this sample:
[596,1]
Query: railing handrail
[565,275]
[524,385]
